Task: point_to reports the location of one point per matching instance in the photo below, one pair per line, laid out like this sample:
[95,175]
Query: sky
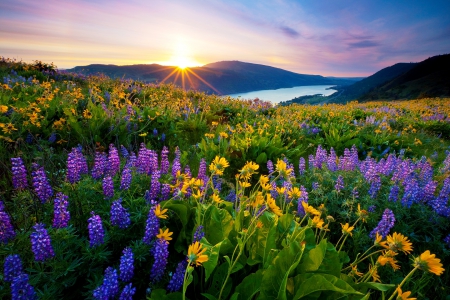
[324,37]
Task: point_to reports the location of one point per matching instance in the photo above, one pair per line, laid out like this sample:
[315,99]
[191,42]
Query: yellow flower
[3,109]
[165,235]
[7,128]
[398,242]
[347,229]
[259,224]
[209,135]
[362,213]
[309,209]
[195,254]
[214,123]
[248,170]
[294,193]
[417,141]
[263,180]
[273,206]
[355,271]
[388,257]
[197,195]
[160,213]
[428,262]
[374,273]
[87,114]
[259,200]
[223,134]
[143,134]
[244,184]
[218,165]
[403,296]
[216,198]
[281,167]
[317,222]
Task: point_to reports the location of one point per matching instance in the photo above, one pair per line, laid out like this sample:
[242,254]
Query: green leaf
[213,256]
[321,286]
[313,258]
[219,223]
[262,158]
[250,285]
[209,296]
[274,281]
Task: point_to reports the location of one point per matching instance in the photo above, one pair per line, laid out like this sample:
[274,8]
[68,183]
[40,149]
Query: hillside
[223,78]
[429,78]
[356,90]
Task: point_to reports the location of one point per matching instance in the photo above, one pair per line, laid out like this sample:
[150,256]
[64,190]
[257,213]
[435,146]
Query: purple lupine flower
[155,132]
[7,232]
[439,204]
[165,191]
[331,161]
[217,183]
[301,166]
[110,286]
[29,138]
[126,267]
[315,185]
[153,161]
[163,137]
[375,186]
[40,183]
[311,161]
[52,138]
[96,231]
[355,193]
[124,152]
[177,280]
[393,194]
[100,165]
[160,253]
[339,184]
[303,198]
[143,162]
[199,234]
[41,243]
[12,267]
[427,193]
[127,292]
[125,181]
[155,186]
[119,215]
[447,240]
[114,160]
[411,193]
[74,166]
[270,166]
[371,208]
[176,165]
[202,171]
[131,162]
[61,215]
[108,187]
[385,225]
[273,191]
[231,197]
[151,226]
[21,289]
[320,158]
[165,165]
[19,173]
[446,164]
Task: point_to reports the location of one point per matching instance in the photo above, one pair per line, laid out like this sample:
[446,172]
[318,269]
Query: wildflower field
[116,189]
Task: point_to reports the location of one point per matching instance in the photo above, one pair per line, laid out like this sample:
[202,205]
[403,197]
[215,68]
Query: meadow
[117,189]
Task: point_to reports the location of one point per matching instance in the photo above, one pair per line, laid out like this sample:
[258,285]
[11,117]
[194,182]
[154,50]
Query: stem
[403,282]
[184,282]
[342,244]
[357,261]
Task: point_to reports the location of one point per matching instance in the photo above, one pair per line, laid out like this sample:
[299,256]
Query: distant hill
[429,78]
[225,77]
[356,90]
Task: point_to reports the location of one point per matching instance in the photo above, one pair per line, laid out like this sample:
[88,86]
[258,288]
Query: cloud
[363,44]
[290,32]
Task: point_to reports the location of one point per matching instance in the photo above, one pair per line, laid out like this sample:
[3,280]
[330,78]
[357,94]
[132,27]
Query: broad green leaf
[262,158]
[217,281]
[213,256]
[250,285]
[313,258]
[209,296]
[321,286]
[219,223]
[274,281]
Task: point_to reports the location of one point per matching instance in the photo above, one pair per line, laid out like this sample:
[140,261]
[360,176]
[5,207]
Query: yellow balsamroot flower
[223,134]
[273,206]
[209,135]
[388,257]
[317,222]
[3,109]
[428,262]
[281,167]
[374,273]
[264,181]
[398,242]
[7,128]
[281,190]
[87,114]
[248,170]
[362,213]
[294,193]
[355,271]
[160,213]
[218,165]
[143,134]
[347,229]
[259,200]
[403,296]
[309,209]
[197,195]
[244,184]
[195,254]
[165,235]
[216,198]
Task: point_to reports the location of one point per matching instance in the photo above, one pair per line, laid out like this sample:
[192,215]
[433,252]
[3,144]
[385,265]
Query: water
[276,96]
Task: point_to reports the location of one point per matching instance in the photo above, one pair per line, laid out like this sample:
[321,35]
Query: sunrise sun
[182,56]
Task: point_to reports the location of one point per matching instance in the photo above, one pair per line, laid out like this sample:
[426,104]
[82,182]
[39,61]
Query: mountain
[356,90]
[427,79]
[223,78]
